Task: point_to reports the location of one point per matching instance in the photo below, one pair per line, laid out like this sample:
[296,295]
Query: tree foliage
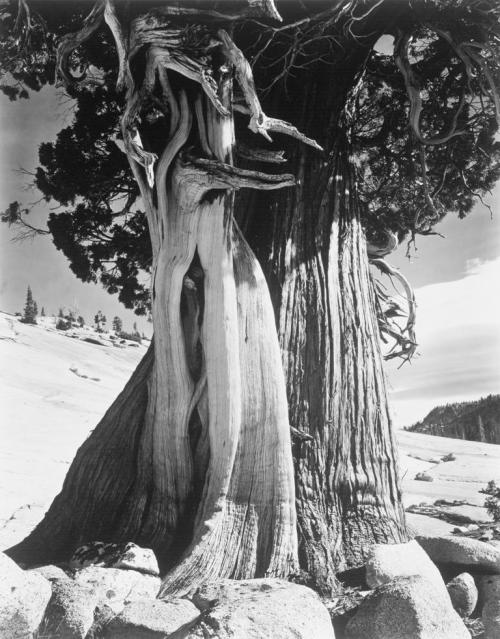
[424,121]
[424,125]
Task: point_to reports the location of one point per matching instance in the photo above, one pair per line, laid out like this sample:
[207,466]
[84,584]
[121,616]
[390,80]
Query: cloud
[458,330]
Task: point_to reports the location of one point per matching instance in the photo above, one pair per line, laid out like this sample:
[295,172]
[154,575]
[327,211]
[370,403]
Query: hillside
[55,386]
[477,421]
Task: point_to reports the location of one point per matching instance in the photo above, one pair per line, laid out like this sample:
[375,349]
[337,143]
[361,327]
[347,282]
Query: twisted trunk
[194,457]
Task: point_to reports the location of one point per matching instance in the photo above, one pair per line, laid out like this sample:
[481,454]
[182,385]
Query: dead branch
[220,175]
[115,27]
[72,41]
[259,121]
[405,339]
[260,155]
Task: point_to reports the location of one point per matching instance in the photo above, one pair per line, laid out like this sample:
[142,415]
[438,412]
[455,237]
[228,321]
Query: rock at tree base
[390,561]
[462,552]
[489,590]
[102,617]
[424,477]
[50,572]
[114,586]
[70,613]
[23,599]
[488,587]
[491,619]
[407,608]
[127,556]
[260,609]
[151,618]
[463,594]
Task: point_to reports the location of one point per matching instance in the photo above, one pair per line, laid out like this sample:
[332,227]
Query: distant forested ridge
[477,421]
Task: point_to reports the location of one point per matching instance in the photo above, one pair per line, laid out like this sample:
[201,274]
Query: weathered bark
[211,390]
[313,250]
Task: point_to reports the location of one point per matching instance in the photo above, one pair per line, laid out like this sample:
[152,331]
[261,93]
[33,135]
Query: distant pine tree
[100,320]
[42,313]
[81,321]
[117,325]
[61,313]
[136,333]
[30,310]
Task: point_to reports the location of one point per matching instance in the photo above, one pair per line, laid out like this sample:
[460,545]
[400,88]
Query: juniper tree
[173,167]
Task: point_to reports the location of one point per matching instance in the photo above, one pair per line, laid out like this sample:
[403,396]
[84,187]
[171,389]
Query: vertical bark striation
[347,486]
[245,524]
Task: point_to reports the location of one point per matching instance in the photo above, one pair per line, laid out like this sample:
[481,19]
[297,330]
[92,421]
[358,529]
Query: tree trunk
[211,390]
[313,250]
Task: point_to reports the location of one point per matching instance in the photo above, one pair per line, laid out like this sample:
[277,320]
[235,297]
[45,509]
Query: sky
[456,279]
[24,125]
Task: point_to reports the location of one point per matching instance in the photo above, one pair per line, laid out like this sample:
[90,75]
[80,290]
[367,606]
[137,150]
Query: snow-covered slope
[54,388]
[461,479]
[47,407]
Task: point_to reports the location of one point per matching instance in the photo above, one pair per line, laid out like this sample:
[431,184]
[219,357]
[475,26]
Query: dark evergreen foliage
[117,324]
[474,421]
[102,230]
[30,309]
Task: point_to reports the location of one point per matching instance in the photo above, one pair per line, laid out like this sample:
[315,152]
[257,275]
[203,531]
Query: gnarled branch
[404,337]
[72,41]
[219,175]
[259,121]
[115,27]
[414,95]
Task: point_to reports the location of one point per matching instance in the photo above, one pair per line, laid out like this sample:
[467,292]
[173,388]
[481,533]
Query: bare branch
[222,176]
[121,46]
[404,337]
[259,122]
[259,155]
[414,94]
[72,41]
[266,8]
